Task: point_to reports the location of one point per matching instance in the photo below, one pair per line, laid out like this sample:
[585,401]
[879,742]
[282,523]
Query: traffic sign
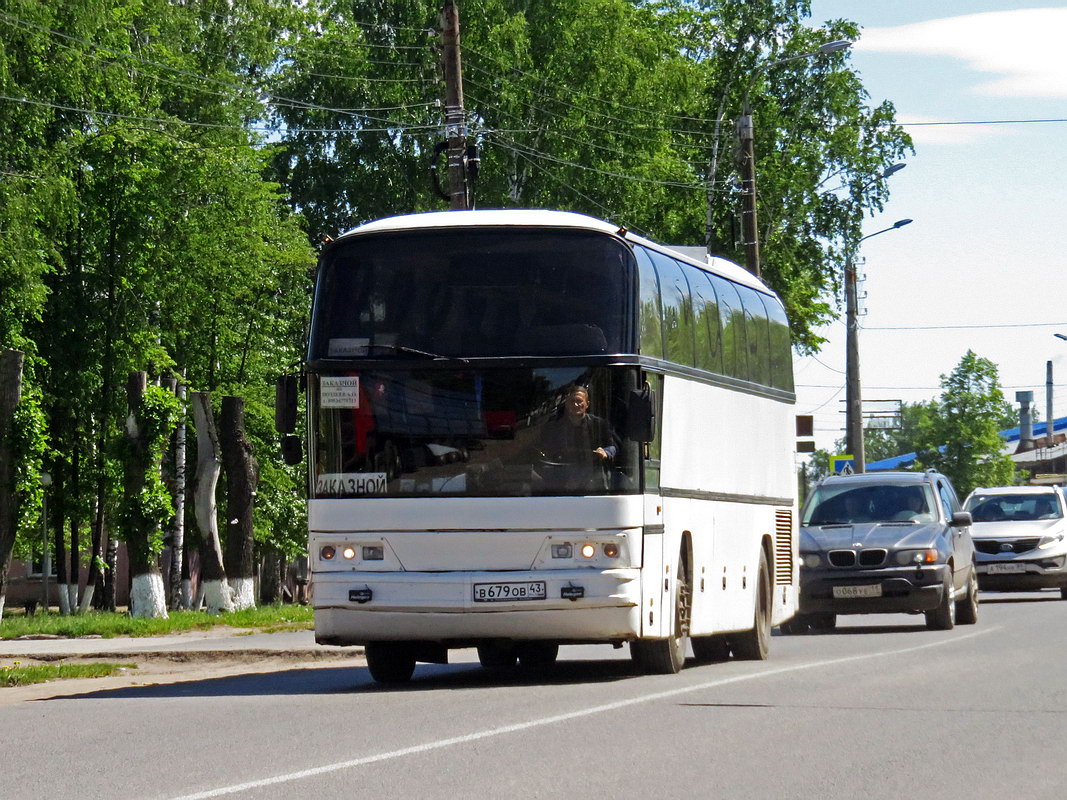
[842,465]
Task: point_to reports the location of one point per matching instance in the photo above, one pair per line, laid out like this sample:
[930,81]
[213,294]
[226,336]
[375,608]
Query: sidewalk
[224,641]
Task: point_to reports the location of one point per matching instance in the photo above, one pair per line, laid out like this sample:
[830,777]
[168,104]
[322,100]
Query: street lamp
[853,395]
[746,136]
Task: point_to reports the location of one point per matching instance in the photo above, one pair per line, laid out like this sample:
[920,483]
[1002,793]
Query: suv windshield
[1013,507]
[474,432]
[848,504]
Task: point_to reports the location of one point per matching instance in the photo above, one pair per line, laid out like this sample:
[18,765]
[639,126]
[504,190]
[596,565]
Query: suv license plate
[871,590]
[1004,569]
[504,592]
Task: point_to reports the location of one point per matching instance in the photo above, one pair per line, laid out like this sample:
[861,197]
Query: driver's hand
[601,453]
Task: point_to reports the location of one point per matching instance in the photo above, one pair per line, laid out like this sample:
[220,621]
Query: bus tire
[710,649]
[667,656]
[390,662]
[497,655]
[537,655]
[754,645]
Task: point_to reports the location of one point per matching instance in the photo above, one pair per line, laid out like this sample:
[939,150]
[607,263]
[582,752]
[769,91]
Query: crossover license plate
[870,590]
[1004,569]
[498,592]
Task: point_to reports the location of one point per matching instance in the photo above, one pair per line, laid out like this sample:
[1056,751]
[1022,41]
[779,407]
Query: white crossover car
[1020,537]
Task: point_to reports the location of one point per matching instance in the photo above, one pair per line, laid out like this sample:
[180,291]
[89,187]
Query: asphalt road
[880,708]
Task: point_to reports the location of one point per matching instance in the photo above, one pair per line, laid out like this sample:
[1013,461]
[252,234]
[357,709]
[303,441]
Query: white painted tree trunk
[72,596]
[63,590]
[244,593]
[87,598]
[3,599]
[208,468]
[147,596]
[187,594]
[218,596]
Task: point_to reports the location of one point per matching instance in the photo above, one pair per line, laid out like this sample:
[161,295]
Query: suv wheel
[967,608]
[943,618]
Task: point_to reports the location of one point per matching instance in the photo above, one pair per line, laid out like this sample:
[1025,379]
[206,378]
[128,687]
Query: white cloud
[1023,49]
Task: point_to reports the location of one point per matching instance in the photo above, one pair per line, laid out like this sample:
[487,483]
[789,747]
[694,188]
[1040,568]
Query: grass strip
[18,675]
[107,625]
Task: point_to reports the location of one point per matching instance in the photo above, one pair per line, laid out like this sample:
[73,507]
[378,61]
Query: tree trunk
[177,533]
[74,576]
[212,573]
[270,586]
[242,477]
[10,393]
[147,598]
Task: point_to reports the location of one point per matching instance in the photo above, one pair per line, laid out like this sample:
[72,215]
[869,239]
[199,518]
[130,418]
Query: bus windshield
[474,293]
[501,432]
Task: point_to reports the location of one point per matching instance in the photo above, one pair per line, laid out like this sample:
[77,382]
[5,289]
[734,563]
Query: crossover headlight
[1047,541]
[918,557]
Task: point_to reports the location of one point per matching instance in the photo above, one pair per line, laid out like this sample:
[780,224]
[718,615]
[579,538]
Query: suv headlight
[811,560]
[1055,538]
[918,557]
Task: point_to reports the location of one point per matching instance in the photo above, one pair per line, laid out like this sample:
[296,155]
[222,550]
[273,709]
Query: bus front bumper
[576,606]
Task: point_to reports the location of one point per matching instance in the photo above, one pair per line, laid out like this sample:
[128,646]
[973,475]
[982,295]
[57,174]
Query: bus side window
[708,324]
[757,336]
[677,309]
[732,317]
[781,345]
[650,312]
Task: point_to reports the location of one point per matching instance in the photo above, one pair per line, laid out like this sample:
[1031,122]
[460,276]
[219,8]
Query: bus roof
[546,218]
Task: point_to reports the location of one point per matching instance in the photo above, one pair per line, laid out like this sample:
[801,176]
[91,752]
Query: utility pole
[455,121]
[853,397]
[749,224]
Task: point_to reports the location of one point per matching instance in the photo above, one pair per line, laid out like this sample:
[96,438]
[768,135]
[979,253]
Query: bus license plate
[870,590]
[499,592]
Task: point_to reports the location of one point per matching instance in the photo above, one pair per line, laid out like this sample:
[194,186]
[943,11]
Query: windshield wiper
[400,348]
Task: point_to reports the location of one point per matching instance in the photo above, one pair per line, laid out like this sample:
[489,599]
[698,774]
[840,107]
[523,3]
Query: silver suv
[886,542]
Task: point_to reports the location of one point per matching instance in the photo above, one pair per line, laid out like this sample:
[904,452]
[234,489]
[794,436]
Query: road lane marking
[585,712]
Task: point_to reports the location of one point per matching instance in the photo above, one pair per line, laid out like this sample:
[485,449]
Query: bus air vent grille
[783,547]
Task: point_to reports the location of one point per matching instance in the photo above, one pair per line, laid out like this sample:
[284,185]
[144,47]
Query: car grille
[842,558]
[995,546]
[874,557]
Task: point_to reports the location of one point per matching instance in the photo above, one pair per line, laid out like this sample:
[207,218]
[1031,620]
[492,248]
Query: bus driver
[576,447]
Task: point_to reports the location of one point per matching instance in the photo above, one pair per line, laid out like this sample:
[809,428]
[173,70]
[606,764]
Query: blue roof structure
[905,460]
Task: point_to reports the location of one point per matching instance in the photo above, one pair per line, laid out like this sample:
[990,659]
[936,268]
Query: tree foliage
[962,439]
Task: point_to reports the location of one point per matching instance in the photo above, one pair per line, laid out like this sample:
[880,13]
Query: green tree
[962,439]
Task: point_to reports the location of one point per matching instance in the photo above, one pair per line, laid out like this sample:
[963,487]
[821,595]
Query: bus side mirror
[641,415]
[285,404]
[292,452]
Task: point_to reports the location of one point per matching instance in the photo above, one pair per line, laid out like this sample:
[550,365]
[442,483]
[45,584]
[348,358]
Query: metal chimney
[1026,422]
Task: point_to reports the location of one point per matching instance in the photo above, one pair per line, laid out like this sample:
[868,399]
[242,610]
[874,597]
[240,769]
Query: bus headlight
[611,550]
[349,553]
[373,552]
[562,551]
[587,551]
[327,552]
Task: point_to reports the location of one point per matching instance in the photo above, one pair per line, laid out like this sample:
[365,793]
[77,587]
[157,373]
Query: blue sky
[986,248]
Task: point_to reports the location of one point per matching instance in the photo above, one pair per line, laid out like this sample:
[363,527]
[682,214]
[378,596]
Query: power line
[969,327]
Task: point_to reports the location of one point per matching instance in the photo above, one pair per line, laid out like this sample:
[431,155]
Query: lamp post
[853,394]
[746,137]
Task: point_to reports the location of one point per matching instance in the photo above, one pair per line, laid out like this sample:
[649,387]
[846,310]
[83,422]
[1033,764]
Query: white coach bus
[534,428]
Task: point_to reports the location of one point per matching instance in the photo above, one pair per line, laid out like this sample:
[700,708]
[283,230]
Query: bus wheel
[390,662]
[710,649]
[754,645]
[496,655]
[667,656]
[537,655]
